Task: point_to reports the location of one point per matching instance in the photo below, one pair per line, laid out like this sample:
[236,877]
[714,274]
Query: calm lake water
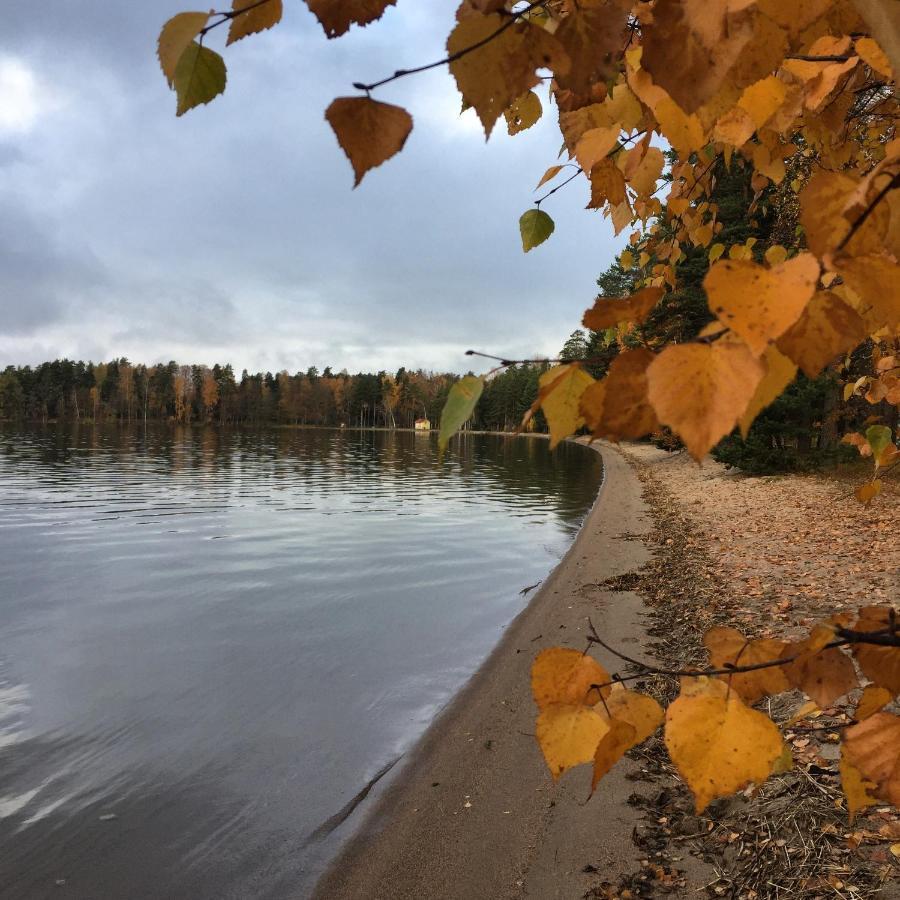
[211,641]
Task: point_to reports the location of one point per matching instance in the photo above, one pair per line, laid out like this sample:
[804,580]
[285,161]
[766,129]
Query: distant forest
[122,391]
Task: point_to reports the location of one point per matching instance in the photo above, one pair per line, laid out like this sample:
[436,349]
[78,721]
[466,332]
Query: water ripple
[211,641]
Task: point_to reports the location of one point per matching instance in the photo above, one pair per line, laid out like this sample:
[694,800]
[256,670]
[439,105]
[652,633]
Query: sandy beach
[474,813]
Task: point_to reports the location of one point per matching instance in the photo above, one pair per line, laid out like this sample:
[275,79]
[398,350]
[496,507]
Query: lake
[211,641]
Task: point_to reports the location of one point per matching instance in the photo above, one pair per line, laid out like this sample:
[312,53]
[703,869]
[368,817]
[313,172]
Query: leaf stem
[232,14]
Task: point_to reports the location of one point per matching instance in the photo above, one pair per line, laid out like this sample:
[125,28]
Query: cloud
[21,105]
[233,233]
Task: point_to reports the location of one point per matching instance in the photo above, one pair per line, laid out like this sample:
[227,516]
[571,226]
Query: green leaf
[536,226]
[879,437]
[459,407]
[199,77]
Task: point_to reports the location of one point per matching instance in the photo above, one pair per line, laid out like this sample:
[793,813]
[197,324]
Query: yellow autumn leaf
[780,372]
[775,255]
[607,185]
[857,789]
[875,280]
[643,169]
[757,303]
[592,403]
[873,699]
[702,235]
[258,17]
[591,34]
[762,99]
[883,19]
[617,741]
[500,71]
[867,492]
[639,710]
[368,131]
[176,36]
[595,145]
[715,252]
[718,744]
[568,735]
[559,396]
[692,47]
[701,390]
[524,113]
[549,175]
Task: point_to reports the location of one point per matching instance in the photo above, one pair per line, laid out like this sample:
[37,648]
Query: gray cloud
[233,233]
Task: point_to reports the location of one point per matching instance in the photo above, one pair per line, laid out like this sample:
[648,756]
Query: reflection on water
[210,641]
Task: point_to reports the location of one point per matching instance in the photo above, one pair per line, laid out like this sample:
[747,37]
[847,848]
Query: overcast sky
[233,235]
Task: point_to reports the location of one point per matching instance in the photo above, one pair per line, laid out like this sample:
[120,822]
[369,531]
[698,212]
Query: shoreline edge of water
[472,811]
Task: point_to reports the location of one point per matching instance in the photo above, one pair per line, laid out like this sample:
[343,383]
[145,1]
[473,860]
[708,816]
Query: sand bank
[474,813]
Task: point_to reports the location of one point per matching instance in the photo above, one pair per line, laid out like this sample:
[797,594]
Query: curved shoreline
[473,812]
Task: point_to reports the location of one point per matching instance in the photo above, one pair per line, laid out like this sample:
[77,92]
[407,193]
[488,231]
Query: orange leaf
[757,303]
[876,282]
[336,16]
[727,646]
[592,403]
[608,312]
[560,675]
[701,390]
[631,415]
[595,145]
[258,18]
[369,131]
[591,34]
[492,77]
[873,748]
[822,674]
[692,46]
[607,185]
[867,492]
[827,328]
[879,664]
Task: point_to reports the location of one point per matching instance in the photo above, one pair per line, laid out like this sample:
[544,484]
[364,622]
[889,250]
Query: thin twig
[402,73]
[232,14]
[540,200]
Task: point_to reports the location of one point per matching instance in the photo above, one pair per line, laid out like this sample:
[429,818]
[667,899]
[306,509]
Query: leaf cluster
[715,737]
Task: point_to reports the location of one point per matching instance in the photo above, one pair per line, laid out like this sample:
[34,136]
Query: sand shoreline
[473,812]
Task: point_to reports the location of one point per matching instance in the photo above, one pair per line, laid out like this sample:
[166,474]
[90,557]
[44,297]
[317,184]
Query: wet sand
[473,812]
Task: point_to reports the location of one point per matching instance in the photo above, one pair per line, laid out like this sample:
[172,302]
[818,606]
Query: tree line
[122,391]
